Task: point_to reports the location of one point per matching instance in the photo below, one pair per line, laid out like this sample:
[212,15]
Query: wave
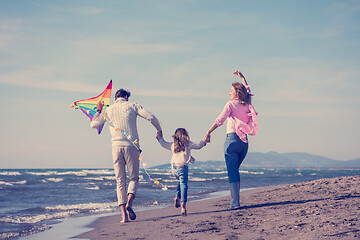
[37,218]
[76,173]
[42,173]
[158,171]
[221,178]
[93,188]
[100,171]
[94,178]
[52,180]
[109,177]
[170,180]
[92,207]
[12,183]
[256,173]
[15,235]
[10,173]
[141,180]
[197,179]
[221,172]
[84,172]
[60,211]
[101,178]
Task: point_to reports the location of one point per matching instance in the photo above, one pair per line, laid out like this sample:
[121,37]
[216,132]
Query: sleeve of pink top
[223,115]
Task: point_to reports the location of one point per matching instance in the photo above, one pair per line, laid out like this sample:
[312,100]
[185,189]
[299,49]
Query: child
[181,148]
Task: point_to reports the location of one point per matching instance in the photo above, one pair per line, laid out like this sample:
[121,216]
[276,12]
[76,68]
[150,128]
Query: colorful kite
[88,106]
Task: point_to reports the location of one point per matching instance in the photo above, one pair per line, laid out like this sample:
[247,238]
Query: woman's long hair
[243,95]
[181,139]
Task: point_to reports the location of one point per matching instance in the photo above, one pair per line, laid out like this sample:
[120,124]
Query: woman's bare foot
[183,209]
[177,202]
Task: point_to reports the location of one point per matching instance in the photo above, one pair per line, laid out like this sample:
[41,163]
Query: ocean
[35,200]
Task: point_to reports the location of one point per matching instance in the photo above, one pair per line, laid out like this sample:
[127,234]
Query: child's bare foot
[177,202]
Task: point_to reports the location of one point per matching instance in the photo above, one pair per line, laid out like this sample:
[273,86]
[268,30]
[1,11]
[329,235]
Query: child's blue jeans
[181,174]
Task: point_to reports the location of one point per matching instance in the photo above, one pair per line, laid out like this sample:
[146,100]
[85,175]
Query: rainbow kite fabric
[88,106]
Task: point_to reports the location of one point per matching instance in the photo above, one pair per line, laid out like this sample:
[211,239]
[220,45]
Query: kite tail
[144,165]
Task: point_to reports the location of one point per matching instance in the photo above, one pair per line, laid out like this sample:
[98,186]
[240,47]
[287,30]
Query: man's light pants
[128,156]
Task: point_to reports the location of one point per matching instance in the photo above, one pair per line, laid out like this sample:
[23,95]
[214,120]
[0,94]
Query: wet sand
[319,209]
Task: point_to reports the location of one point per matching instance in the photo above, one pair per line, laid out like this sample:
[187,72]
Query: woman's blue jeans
[235,151]
[181,174]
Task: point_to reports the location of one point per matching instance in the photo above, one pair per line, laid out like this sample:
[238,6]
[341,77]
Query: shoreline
[71,227]
[324,208]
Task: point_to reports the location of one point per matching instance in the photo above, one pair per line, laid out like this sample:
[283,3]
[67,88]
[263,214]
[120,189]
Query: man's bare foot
[128,207]
[124,220]
[123,214]
[131,212]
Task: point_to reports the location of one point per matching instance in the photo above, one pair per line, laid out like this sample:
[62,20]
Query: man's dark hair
[122,93]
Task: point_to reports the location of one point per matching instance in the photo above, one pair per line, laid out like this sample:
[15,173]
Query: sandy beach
[319,209]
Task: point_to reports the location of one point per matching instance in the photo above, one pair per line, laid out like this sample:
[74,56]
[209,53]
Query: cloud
[344,9]
[181,93]
[44,77]
[304,81]
[6,39]
[9,30]
[119,46]
[188,109]
[85,10]
[11,25]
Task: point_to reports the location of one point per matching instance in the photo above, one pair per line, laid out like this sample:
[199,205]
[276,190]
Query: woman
[241,120]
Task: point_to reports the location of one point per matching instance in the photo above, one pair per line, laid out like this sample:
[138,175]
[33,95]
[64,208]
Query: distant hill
[201,164]
[281,160]
[296,160]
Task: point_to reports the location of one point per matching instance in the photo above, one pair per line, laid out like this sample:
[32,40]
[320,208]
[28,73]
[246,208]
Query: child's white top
[181,158]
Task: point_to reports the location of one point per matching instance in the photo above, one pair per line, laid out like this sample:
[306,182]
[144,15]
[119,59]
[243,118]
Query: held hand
[100,105]
[207,138]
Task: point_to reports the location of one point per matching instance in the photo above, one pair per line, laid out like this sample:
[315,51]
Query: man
[121,117]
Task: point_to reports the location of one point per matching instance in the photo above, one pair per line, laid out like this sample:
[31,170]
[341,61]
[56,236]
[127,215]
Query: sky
[301,59]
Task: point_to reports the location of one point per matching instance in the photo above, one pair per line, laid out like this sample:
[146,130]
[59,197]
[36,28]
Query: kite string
[163,187]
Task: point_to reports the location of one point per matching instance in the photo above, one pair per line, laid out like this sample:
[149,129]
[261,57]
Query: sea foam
[10,173]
